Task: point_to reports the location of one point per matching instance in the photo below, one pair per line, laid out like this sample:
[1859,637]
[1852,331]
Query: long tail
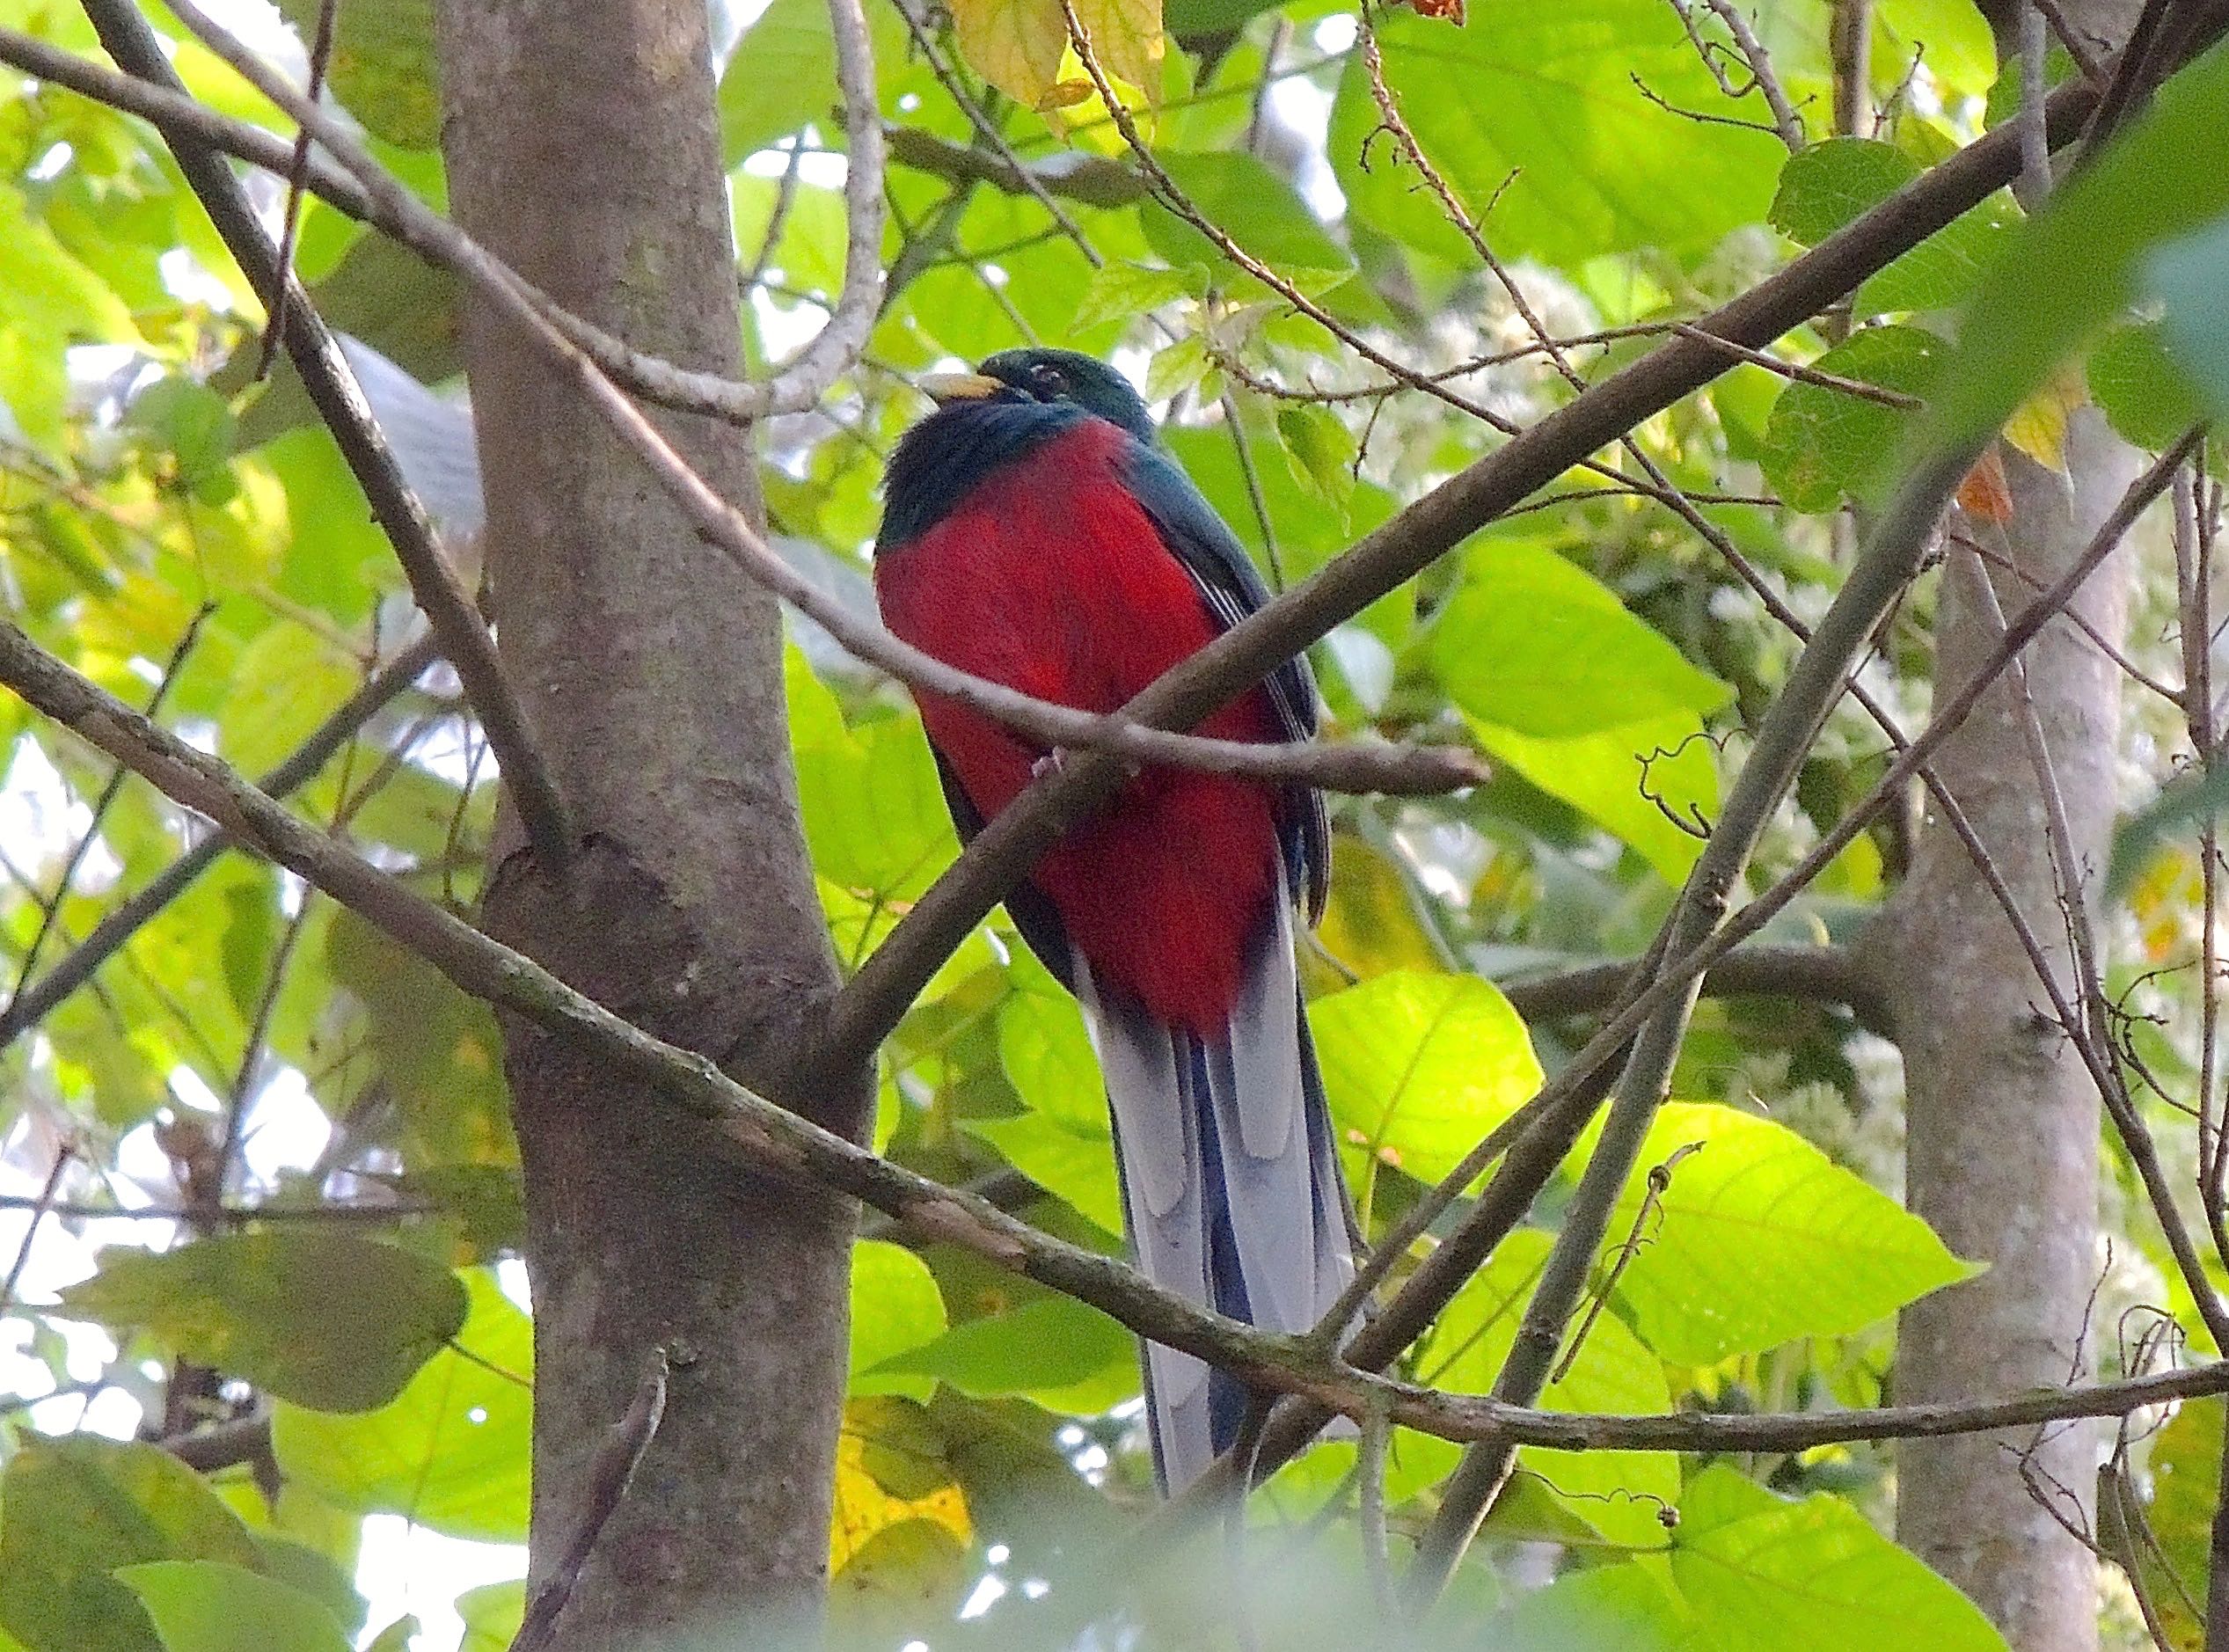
[1230,1181]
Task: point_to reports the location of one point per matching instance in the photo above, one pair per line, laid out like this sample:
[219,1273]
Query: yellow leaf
[1371,924]
[1126,38]
[2038,428]
[866,1506]
[1013,44]
[1066,94]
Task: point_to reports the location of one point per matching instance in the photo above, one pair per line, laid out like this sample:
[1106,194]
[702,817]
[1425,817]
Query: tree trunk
[2002,1118]
[583,146]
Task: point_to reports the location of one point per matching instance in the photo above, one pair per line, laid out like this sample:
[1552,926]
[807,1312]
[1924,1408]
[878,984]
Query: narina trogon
[1035,532]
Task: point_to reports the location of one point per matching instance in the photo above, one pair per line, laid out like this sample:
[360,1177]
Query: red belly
[1049,578]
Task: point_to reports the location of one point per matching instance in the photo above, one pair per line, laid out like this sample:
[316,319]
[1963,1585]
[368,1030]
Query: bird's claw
[1053,762]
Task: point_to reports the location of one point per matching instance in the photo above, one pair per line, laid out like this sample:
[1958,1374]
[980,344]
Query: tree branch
[835,349]
[1089,180]
[685,390]
[340,402]
[1815,683]
[1826,974]
[616,1461]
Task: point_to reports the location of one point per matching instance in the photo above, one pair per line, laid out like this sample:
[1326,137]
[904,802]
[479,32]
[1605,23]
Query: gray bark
[2003,1119]
[582,147]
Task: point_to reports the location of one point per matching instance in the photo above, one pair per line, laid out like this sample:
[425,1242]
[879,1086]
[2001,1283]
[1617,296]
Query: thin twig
[2035,145]
[238,1216]
[614,1464]
[50,913]
[275,325]
[1785,120]
[835,349]
[40,1208]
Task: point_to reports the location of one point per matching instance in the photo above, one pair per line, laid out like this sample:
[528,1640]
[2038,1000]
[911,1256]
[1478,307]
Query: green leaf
[55,301]
[326,1319]
[1761,1239]
[1320,450]
[285,684]
[450,1452]
[1945,268]
[1822,444]
[74,1509]
[1418,1067]
[438,1050]
[1622,1606]
[782,75]
[1950,37]
[1045,1049]
[2077,262]
[1652,784]
[492,1613]
[1534,644]
[1258,209]
[1827,184]
[875,815]
[210,1607]
[1066,1356]
[1534,110]
[384,70]
[1120,289]
[2185,1473]
[187,420]
[337,560]
[1620,1494]
[1813,1573]
[2145,394]
[2190,278]
[896,1306]
[1176,367]
[1072,1162]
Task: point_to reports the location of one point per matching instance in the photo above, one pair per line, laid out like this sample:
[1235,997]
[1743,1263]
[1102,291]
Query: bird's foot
[1054,761]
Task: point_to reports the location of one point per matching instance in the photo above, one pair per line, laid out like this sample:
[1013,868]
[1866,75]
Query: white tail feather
[1222,1145]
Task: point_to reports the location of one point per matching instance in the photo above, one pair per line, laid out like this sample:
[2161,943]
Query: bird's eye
[1046,382]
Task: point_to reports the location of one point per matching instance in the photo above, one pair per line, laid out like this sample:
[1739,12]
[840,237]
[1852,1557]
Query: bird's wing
[1231,587]
[1031,909]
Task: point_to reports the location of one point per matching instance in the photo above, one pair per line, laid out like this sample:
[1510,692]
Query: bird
[1037,532]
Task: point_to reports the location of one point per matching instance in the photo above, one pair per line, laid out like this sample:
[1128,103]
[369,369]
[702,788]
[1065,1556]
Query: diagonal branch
[340,402]
[1002,854]
[775,1140]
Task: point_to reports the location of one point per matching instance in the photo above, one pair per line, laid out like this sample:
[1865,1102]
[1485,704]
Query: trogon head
[1051,377]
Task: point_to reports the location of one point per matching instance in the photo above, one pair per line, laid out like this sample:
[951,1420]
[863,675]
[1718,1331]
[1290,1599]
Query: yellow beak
[943,387]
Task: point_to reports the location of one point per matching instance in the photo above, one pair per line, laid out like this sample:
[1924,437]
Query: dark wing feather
[1231,587]
[1033,915]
